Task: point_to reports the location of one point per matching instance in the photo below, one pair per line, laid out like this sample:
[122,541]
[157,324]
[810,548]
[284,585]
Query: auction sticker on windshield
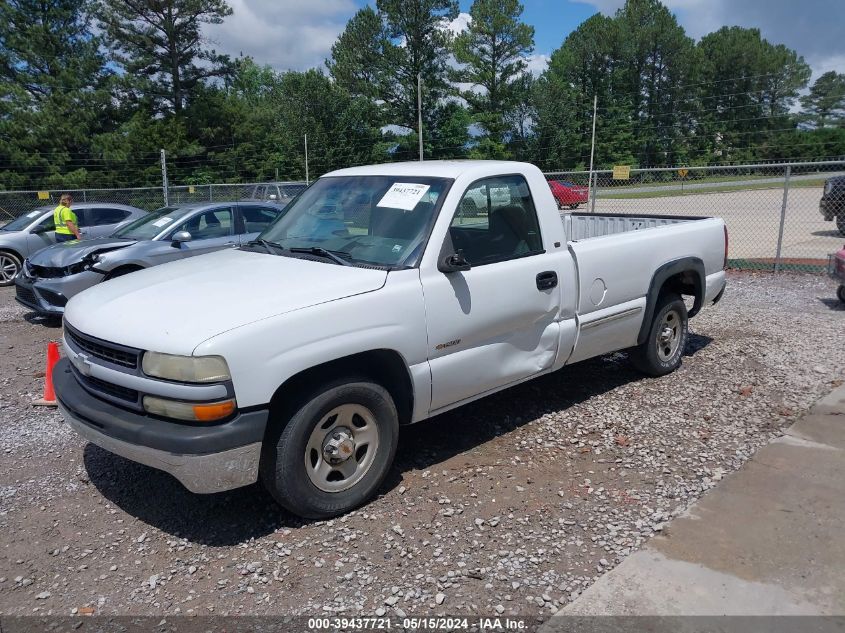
[403,195]
[162,221]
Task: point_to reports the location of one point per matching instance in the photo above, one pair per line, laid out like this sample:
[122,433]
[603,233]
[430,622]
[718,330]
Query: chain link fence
[772,211]
[17,203]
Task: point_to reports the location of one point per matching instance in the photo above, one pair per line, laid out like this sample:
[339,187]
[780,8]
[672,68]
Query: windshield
[20,223]
[147,227]
[381,220]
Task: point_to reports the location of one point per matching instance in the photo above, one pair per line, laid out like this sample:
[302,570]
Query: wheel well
[12,251]
[683,276]
[383,366]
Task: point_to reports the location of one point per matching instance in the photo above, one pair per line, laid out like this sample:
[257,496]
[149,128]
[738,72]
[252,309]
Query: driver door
[496,323]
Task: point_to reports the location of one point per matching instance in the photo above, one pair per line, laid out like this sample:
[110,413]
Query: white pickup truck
[375,302]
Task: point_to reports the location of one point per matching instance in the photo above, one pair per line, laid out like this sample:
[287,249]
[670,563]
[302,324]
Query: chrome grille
[125,357]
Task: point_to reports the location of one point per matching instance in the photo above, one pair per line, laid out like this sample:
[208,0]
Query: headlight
[191,411]
[185,368]
[828,186]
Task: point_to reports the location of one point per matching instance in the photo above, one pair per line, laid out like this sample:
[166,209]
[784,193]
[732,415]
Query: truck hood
[174,307]
[67,253]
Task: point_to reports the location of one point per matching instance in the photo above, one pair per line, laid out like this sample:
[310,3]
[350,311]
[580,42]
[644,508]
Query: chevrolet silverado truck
[373,303]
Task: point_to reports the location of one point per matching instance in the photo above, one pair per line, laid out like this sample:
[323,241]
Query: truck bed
[583,226]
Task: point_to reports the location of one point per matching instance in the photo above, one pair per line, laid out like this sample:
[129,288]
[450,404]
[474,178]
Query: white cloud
[537,63]
[286,34]
[459,24]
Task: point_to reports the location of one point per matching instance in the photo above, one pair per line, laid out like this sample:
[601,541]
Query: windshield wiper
[335,256]
[267,245]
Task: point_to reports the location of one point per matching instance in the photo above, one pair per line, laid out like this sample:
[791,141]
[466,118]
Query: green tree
[588,65]
[825,103]
[747,87]
[53,91]
[160,46]
[492,51]
[357,61]
[657,63]
[419,44]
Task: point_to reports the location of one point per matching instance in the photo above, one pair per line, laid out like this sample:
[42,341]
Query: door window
[256,219]
[496,221]
[209,224]
[103,217]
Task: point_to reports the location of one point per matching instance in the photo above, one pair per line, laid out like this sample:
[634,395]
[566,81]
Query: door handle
[546,280]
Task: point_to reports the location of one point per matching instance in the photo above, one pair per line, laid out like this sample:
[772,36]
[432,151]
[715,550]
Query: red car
[568,194]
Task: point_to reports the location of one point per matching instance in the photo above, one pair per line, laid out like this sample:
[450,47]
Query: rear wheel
[840,224]
[664,346]
[10,266]
[334,452]
[840,292]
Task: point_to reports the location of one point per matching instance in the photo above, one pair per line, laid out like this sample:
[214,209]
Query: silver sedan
[35,230]
[54,275]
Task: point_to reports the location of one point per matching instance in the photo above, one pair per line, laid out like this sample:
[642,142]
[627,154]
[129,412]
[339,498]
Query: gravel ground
[511,505]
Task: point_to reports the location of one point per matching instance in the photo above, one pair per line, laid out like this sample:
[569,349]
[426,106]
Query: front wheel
[840,293]
[10,266]
[664,346]
[840,224]
[334,452]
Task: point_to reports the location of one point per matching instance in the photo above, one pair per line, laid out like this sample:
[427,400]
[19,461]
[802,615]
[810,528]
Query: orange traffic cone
[49,399]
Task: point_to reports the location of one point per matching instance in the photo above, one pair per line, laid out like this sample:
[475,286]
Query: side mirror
[454,263]
[179,237]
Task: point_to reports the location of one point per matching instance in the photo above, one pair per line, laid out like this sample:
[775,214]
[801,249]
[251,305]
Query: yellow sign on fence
[43,195]
[683,172]
[621,172]
[191,189]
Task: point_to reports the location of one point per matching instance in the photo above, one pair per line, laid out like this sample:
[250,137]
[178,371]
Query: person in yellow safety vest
[67,226]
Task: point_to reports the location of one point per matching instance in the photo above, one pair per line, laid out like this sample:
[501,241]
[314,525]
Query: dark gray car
[35,230]
[57,273]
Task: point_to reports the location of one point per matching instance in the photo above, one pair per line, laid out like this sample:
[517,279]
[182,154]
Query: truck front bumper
[205,459]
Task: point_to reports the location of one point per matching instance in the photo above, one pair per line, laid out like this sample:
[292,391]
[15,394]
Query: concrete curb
[769,540]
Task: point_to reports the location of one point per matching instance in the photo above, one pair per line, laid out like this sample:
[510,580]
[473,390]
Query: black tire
[654,357]
[284,470]
[840,224]
[840,293]
[10,266]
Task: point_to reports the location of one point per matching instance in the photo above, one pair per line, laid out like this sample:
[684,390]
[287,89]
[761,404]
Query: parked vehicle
[836,270]
[372,304]
[832,204]
[568,194]
[280,192]
[52,276]
[35,230]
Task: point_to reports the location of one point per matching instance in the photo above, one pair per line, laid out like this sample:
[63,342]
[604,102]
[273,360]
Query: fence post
[164,179]
[594,191]
[782,216]
[210,193]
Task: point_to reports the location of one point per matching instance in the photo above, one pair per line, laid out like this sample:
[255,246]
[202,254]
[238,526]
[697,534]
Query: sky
[298,34]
